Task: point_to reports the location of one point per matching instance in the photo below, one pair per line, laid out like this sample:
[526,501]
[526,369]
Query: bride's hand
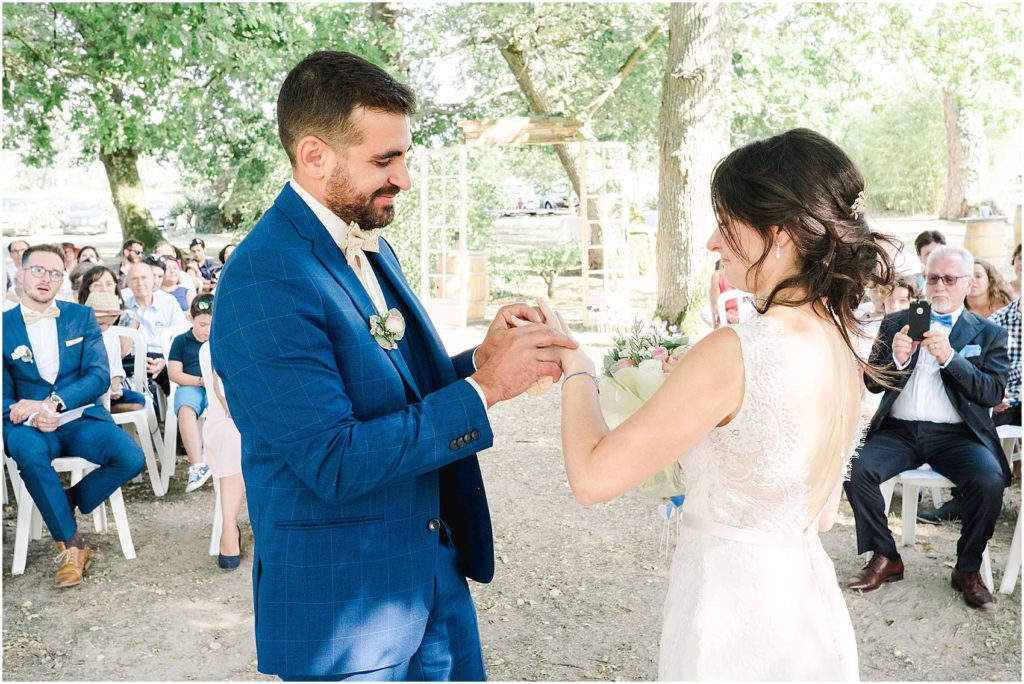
[572,360]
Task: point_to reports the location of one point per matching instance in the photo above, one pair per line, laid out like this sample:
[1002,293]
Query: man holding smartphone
[937,413]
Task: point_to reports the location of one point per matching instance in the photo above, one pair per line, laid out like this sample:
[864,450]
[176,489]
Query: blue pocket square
[970,350]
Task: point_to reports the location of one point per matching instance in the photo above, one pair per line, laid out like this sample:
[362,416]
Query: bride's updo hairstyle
[802,183]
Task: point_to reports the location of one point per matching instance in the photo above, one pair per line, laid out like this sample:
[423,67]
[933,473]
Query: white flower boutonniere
[22,353]
[388,329]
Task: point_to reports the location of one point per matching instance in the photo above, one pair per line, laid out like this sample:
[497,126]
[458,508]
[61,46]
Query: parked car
[16,218]
[522,199]
[559,198]
[86,217]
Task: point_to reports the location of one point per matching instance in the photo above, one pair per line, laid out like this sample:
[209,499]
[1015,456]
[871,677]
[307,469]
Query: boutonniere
[387,329]
[22,353]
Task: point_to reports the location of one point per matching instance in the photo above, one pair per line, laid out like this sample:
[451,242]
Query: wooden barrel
[987,238]
[476,261]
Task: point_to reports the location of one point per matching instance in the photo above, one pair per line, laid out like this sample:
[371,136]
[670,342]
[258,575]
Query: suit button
[453,445]
[475,434]
[461,441]
[433,525]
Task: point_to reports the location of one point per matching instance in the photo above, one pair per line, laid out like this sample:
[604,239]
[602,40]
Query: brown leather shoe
[876,573]
[73,564]
[974,591]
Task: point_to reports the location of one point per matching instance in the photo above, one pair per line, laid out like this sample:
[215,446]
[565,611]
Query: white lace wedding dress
[752,593]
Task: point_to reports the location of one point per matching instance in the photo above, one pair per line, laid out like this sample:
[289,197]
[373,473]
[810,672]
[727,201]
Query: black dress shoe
[949,511]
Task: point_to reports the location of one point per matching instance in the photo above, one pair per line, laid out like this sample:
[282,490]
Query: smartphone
[920,319]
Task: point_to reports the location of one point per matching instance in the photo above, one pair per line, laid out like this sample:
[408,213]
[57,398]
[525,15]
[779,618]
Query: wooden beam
[541,130]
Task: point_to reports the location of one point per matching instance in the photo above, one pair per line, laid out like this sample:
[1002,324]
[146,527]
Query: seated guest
[153,312]
[88,257]
[938,413]
[222,444]
[172,284]
[898,298]
[190,397]
[88,254]
[223,255]
[924,243]
[207,269]
[131,253]
[989,290]
[1015,262]
[1008,411]
[54,361]
[106,306]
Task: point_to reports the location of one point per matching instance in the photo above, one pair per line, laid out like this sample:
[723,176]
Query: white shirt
[112,343]
[924,397]
[162,315]
[42,337]
[338,229]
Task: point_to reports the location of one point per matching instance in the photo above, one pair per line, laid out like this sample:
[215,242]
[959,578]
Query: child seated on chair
[107,309]
[190,398]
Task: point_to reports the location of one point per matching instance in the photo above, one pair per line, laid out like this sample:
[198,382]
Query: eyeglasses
[948,280]
[39,272]
[136,252]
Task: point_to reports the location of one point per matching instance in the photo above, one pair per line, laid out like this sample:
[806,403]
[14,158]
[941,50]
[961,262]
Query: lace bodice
[754,472]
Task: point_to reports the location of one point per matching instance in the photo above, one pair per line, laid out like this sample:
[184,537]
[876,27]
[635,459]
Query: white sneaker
[197,476]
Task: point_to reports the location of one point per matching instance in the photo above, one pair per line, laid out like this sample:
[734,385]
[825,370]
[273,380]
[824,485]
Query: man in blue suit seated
[55,362]
[359,431]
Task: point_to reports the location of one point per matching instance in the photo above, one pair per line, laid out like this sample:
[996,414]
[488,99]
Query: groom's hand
[504,321]
[518,357]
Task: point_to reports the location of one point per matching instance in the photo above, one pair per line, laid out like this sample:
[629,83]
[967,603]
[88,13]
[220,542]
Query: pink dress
[221,441]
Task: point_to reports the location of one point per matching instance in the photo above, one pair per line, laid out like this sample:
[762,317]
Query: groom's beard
[348,205]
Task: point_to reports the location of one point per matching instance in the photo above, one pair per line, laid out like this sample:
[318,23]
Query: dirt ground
[577,593]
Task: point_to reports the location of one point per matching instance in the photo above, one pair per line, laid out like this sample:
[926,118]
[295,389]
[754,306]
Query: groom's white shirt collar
[337,230]
[334,225]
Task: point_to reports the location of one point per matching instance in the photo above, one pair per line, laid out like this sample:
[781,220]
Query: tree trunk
[693,134]
[541,106]
[129,199]
[955,204]
[390,44]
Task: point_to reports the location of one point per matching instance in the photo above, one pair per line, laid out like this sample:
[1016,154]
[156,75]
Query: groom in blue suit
[54,361]
[359,431]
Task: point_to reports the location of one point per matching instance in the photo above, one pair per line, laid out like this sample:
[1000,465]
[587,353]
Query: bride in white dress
[763,416]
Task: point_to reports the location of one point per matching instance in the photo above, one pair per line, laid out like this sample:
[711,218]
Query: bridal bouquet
[640,359]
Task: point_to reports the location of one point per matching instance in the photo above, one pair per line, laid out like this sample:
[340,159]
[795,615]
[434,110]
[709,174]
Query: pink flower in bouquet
[670,362]
[659,353]
[624,363]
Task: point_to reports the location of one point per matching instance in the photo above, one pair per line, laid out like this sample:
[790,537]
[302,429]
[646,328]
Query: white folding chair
[170,450]
[28,513]
[745,305]
[912,482]
[209,378]
[143,421]
[1010,436]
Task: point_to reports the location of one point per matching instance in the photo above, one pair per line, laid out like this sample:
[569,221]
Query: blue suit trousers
[97,441]
[450,650]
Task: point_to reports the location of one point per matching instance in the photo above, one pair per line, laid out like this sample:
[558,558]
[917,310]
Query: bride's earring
[778,251]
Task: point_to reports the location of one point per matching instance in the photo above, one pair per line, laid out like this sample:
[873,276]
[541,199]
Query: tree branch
[63,71]
[634,58]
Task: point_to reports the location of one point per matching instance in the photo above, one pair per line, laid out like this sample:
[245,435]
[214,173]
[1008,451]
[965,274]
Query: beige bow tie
[34,317]
[357,238]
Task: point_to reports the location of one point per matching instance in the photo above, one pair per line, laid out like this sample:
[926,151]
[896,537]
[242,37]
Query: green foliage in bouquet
[638,363]
[644,342]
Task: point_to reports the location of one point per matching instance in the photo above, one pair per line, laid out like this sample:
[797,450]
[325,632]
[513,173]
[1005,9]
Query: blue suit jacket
[84,375]
[346,460]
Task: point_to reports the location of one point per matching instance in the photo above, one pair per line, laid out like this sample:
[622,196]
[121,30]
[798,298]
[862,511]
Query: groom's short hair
[319,95]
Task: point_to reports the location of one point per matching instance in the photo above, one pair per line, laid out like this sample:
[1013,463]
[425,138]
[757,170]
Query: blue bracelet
[592,377]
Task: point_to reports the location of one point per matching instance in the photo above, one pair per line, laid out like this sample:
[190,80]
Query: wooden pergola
[446,265]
